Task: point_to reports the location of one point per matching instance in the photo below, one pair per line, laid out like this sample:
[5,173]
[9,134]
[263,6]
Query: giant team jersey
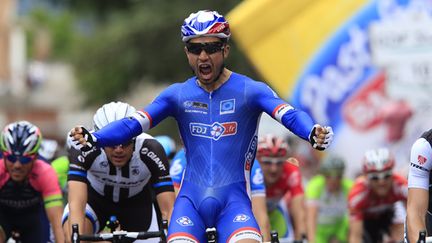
[148,168]
[218,128]
[178,166]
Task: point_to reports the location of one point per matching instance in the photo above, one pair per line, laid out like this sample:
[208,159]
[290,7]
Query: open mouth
[205,69]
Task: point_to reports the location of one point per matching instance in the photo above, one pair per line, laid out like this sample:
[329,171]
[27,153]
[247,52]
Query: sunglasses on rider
[22,159]
[270,161]
[208,47]
[379,175]
[123,145]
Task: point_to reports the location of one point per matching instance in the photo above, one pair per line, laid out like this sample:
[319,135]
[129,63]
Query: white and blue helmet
[205,23]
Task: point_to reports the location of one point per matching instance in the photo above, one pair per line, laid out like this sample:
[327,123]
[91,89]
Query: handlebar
[116,236]
[423,238]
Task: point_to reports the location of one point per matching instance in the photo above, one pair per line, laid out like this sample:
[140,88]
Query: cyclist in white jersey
[419,181]
[126,179]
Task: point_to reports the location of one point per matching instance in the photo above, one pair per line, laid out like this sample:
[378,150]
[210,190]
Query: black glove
[90,141]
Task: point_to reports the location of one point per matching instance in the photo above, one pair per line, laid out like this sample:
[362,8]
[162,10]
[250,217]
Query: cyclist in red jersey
[377,201]
[284,189]
[27,186]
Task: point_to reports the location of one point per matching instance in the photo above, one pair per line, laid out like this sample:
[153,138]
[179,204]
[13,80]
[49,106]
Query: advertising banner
[357,66]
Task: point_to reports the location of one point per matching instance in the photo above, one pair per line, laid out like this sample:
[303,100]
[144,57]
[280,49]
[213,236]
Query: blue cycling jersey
[219,132]
[219,129]
[178,166]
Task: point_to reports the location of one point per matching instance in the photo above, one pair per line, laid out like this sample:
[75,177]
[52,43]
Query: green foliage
[115,44]
[60,27]
[140,44]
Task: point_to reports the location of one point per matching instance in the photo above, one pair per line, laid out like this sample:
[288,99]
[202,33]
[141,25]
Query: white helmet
[377,160]
[111,112]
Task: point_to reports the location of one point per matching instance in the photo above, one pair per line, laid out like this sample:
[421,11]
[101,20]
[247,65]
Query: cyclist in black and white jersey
[419,207]
[122,180]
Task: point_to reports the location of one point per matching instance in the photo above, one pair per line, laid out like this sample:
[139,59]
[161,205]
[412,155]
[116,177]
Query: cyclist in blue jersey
[257,189]
[217,112]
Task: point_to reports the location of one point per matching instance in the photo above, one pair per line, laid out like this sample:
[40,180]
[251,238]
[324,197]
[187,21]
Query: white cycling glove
[327,139]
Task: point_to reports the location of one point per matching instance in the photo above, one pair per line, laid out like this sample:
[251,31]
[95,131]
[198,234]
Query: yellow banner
[280,36]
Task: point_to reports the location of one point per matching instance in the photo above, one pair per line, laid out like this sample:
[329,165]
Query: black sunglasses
[379,176]
[208,47]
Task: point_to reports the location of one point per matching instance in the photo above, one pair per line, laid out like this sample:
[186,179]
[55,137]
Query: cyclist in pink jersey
[377,201]
[27,185]
[284,189]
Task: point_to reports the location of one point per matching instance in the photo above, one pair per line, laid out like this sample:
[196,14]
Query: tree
[140,43]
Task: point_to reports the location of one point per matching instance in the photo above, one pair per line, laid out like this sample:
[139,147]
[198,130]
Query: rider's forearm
[311,215]
[415,223]
[166,202]
[298,122]
[299,216]
[356,231]
[77,198]
[118,132]
[54,215]
[259,209]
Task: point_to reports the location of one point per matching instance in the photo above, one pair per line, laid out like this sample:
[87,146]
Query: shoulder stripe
[161,184]
[144,119]
[280,110]
[78,173]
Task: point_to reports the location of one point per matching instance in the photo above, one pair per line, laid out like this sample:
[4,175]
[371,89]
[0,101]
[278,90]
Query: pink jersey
[42,181]
[288,186]
[363,204]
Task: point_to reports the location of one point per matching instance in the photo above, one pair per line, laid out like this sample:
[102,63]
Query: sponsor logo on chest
[213,131]
[227,107]
[195,107]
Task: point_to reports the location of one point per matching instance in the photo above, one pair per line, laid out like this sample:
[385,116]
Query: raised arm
[123,130]
[299,122]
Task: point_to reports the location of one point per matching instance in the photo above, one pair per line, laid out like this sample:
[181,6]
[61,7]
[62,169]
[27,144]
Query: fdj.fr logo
[213,131]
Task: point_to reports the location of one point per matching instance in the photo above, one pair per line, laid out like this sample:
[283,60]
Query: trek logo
[213,131]
[227,106]
[421,159]
[241,218]
[184,221]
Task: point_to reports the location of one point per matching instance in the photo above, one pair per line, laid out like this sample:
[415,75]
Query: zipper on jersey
[116,189]
[211,139]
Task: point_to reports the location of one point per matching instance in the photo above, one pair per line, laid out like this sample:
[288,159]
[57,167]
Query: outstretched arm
[262,97]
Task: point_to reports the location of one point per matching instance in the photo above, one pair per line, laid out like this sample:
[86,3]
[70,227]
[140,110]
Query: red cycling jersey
[42,182]
[288,186]
[363,204]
